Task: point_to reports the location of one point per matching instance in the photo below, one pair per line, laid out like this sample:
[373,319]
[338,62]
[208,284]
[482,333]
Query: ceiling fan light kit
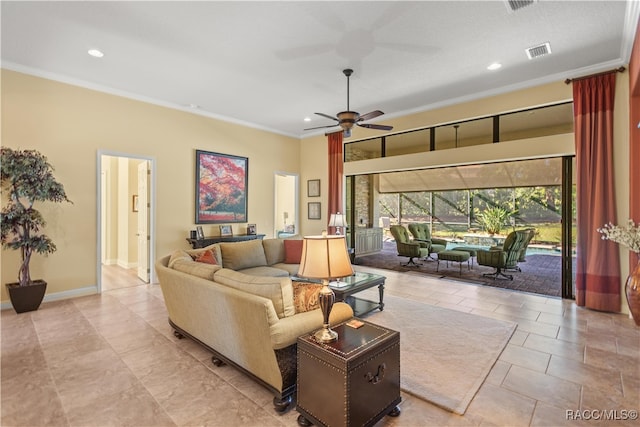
[347,119]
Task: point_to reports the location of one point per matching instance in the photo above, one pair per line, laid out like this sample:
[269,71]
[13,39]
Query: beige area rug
[445,355]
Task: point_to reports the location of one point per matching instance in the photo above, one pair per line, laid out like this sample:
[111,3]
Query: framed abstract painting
[221,188]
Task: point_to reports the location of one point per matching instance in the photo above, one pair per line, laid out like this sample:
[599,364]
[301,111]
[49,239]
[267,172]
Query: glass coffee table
[347,286]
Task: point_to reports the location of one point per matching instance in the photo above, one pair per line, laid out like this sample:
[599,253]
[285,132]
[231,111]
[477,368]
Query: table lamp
[326,258]
[338,221]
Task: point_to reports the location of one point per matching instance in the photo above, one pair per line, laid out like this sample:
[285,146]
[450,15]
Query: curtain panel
[598,261]
[336,168]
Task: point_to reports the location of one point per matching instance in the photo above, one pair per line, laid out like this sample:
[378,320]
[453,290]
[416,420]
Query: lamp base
[326,335]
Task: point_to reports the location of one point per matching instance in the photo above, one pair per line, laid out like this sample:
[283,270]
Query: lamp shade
[325,257]
[338,220]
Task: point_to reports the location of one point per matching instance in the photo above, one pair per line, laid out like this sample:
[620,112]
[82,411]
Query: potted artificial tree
[27,178]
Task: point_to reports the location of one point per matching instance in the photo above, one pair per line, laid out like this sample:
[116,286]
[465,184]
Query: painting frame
[314,210]
[313,188]
[221,185]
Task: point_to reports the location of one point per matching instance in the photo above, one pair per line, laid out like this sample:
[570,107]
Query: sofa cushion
[178,255]
[278,289]
[292,269]
[239,255]
[207,257]
[267,271]
[199,269]
[273,250]
[305,296]
[293,251]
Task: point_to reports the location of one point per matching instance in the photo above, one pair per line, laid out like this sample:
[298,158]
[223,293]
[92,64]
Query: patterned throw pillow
[305,296]
[292,251]
[207,257]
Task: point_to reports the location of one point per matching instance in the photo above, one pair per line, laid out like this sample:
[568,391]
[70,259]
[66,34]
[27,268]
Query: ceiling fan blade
[370,115]
[327,116]
[321,127]
[374,126]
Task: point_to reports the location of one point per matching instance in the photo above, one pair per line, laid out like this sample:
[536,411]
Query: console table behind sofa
[197,244]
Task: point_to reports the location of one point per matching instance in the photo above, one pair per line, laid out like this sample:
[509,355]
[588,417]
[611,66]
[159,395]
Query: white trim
[56,296]
[152,212]
[105,89]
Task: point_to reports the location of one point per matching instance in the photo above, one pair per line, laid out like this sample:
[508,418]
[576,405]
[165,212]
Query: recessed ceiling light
[95,53]
[307,119]
[494,66]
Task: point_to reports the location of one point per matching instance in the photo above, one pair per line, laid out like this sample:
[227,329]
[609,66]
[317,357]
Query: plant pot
[632,289]
[26,298]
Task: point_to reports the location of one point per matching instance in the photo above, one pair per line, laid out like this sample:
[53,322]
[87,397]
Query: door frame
[152,210]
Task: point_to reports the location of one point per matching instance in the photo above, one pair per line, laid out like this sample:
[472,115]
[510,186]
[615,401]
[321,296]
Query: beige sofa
[249,318]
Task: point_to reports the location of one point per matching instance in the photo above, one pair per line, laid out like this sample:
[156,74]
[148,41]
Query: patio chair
[406,247]
[421,233]
[523,252]
[505,258]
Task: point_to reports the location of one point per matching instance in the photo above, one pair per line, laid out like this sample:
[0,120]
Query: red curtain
[598,261]
[335,176]
[634,140]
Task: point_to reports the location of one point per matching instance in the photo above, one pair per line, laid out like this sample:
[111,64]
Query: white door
[143,221]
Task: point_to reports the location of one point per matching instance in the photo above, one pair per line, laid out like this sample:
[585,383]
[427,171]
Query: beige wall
[70,125]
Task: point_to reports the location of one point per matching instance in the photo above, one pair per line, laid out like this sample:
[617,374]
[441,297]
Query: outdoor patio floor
[541,274]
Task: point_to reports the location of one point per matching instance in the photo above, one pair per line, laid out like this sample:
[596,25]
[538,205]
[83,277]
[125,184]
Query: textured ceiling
[270,64]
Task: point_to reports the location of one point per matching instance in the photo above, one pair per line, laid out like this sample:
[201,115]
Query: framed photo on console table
[225,230]
[251,229]
[221,188]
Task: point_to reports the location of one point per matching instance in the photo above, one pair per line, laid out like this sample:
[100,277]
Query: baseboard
[56,296]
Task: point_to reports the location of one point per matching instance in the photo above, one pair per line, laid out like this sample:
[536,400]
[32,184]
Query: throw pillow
[305,296]
[207,257]
[292,251]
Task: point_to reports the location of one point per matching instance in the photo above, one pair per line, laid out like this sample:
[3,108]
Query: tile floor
[112,360]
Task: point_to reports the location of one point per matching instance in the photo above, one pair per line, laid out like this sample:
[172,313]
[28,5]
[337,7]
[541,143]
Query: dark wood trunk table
[354,381]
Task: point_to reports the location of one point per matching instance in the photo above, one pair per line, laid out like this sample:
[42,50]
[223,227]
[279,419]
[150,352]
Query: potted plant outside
[27,178]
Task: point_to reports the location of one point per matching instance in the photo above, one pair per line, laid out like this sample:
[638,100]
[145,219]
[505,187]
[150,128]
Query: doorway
[286,222]
[125,221]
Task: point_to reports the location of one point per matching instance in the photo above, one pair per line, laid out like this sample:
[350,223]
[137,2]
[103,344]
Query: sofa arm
[286,331]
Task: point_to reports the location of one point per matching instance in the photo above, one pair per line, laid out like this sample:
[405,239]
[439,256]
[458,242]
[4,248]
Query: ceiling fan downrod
[348,73]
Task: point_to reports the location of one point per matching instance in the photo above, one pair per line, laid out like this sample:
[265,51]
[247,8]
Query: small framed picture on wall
[313,188]
[314,210]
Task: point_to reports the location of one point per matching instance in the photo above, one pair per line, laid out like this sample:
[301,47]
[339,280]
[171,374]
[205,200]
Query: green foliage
[27,178]
[493,219]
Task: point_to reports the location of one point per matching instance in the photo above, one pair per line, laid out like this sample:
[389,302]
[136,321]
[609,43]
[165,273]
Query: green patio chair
[406,247]
[422,233]
[505,258]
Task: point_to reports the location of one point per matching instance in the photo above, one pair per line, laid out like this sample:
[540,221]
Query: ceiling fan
[346,119]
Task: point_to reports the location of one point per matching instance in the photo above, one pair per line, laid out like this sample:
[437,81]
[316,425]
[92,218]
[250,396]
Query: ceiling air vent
[538,51]
[514,5]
